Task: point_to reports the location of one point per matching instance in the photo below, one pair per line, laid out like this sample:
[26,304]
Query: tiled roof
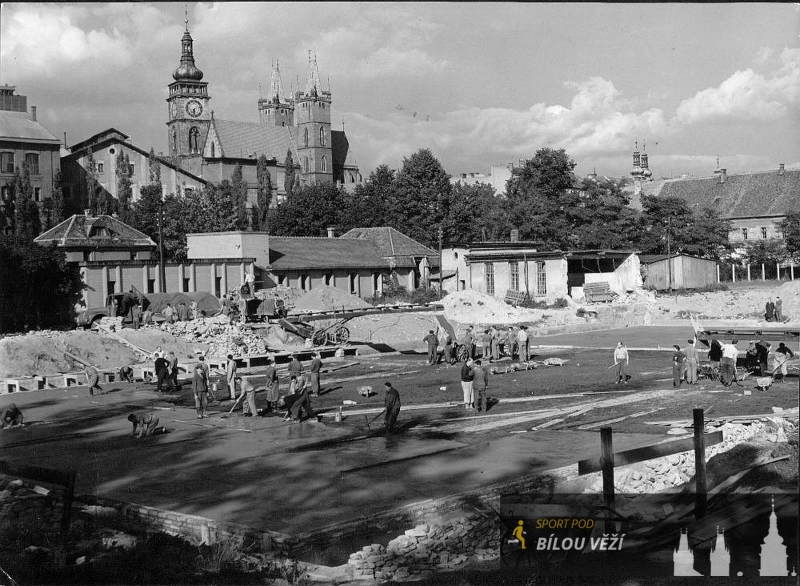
[94,231]
[393,244]
[741,196]
[243,139]
[19,126]
[287,253]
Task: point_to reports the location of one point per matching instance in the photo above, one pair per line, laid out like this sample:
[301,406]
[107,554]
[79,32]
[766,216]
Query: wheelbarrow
[763,383]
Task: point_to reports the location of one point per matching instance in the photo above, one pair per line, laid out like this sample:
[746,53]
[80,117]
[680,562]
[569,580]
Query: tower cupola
[187,70]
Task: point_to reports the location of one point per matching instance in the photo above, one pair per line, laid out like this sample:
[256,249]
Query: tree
[601,218]
[473,213]
[38,289]
[288,173]
[124,190]
[26,211]
[92,186]
[261,209]
[666,220]
[366,206]
[764,252]
[238,195]
[308,212]
[790,228]
[541,200]
[420,196]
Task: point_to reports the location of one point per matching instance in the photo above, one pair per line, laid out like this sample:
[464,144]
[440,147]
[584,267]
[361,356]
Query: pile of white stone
[430,548]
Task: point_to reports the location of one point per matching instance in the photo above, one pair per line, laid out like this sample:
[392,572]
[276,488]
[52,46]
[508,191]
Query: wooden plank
[699,463]
[647,453]
[617,419]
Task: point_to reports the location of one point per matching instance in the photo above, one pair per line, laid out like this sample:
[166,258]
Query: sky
[479,84]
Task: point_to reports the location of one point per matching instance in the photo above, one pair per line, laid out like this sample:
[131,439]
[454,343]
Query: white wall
[627,277]
[229,245]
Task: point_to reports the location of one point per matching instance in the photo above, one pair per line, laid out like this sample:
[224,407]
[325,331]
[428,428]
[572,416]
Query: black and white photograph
[458,293]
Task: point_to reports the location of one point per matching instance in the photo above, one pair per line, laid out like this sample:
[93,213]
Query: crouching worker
[10,417]
[126,374]
[299,401]
[145,425]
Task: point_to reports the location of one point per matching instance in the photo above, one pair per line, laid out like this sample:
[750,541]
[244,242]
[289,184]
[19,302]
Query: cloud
[594,123]
[747,95]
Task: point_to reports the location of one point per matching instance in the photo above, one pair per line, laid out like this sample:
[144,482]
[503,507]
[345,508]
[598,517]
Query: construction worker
[691,363]
[11,417]
[522,342]
[126,373]
[480,384]
[782,355]
[93,380]
[145,425]
[249,391]
[272,389]
[678,358]
[200,389]
[392,407]
[467,376]
[295,370]
[433,345]
[230,375]
[313,374]
[621,361]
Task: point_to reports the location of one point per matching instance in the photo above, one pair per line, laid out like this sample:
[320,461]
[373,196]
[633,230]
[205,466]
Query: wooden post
[607,462]
[699,463]
[733,272]
[748,271]
[778,267]
[718,279]
[763,272]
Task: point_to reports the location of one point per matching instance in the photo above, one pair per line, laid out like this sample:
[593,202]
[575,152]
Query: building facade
[24,142]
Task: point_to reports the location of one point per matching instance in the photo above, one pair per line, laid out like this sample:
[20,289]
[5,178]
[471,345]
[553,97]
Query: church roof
[94,231]
[247,139]
[766,193]
[392,243]
[304,253]
[340,150]
[19,126]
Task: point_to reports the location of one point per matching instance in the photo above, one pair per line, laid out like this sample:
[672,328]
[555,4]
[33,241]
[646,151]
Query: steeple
[313,85]
[187,70]
[646,172]
[276,94]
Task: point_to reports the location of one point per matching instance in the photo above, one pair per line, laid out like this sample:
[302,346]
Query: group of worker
[490,344]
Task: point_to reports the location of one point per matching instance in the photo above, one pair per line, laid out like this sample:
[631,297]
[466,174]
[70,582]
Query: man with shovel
[392,407]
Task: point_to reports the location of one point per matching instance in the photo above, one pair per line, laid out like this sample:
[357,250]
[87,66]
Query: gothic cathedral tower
[312,115]
[188,112]
[275,109]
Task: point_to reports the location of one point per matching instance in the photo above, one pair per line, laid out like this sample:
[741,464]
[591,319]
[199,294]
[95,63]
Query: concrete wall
[626,277]
[235,244]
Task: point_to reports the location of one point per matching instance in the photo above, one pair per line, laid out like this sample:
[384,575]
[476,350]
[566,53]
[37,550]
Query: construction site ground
[298,478]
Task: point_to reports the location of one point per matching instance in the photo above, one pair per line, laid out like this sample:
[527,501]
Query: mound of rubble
[471,306]
[326,298]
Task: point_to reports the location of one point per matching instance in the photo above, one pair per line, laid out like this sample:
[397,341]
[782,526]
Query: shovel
[371,421]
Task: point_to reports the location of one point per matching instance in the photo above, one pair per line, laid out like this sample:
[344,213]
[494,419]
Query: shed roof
[19,126]
[651,258]
[93,232]
[302,253]
[767,193]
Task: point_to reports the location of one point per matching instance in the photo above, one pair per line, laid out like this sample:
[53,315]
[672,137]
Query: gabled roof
[109,134]
[19,126]
[393,244]
[647,259]
[741,196]
[302,253]
[94,231]
[252,139]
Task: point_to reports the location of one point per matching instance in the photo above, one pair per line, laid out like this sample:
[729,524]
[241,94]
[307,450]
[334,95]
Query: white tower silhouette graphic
[720,557]
[683,559]
[773,551]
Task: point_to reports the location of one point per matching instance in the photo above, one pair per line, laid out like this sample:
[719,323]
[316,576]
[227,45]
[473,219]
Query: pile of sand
[473,307]
[326,298]
[397,327]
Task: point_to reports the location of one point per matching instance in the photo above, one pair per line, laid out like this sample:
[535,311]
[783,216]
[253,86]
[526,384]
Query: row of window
[513,272]
[307,164]
[7,162]
[101,168]
[322,136]
[5,193]
[304,282]
[745,232]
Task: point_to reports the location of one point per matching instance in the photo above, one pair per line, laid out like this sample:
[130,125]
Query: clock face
[194,108]
[174,109]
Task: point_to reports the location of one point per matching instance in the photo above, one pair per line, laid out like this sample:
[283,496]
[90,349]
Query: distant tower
[312,114]
[647,174]
[683,558]
[275,109]
[773,551]
[188,113]
[720,558]
[637,172]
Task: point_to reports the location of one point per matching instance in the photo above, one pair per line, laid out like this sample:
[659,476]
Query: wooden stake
[699,463]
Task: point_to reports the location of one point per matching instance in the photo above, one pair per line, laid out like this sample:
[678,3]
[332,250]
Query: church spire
[313,85]
[275,95]
[187,70]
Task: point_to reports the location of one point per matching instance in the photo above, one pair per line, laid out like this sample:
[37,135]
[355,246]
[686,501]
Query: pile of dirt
[473,307]
[326,298]
[42,353]
[398,327]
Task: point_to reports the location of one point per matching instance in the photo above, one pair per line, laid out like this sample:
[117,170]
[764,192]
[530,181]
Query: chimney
[514,235]
[723,175]
[33,113]
[331,232]
[781,169]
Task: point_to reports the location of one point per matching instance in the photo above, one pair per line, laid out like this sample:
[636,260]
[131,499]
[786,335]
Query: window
[513,268]
[186,284]
[281,280]
[32,162]
[353,282]
[744,233]
[488,269]
[194,140]
[5,192]
[112,287]
[376,283]
[763,232]
[329,279]
[305,283]
[324,164]
[6,162]
[541,279]
[175,142]
[37,194]
[305,164]
[132,169]
[212,151]
[218,286]
[305,136]
[322,135]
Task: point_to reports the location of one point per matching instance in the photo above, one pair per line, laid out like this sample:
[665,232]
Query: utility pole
[162,286]
[441,269]
[669,256]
